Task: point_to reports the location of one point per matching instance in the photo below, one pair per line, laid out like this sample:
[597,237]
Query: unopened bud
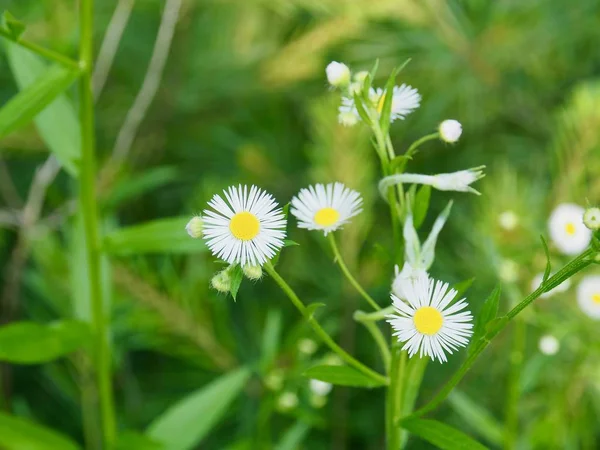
[253,272]
[194,227]
[338,74]
[222,281]
[450,130]
[361,76]
[591,218]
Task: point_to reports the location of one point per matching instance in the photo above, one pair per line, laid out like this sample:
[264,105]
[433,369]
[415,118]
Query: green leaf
[21,434]
[157,236]
[488,312]
[289,243]
[23,107]
[548,264]
[13,26]
[493,327]
[463,286]
[32,343]
[421,205]
[271,338]
[384,114]
[341,375]
[358,103]
[293,437]
[478,418]
[57,123]
[185,424]
[130,440]
[441,435]
[310,309]
[237,275]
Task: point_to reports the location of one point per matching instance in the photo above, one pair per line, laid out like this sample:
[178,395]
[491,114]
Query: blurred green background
[243,99]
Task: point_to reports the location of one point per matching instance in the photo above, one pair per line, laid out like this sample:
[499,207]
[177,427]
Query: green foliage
[442,436]
[20,434]
[342,376]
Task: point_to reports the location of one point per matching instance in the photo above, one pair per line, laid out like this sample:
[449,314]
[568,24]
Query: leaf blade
[19,434]
[441,435]
[341,376]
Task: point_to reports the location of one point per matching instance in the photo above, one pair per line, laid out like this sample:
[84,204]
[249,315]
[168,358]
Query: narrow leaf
[21,434]
[57,123]
[130,440]
[548,264]
[186,424]
[386,108]
[441,435]
[289,243]
[310,309]
[237,275]
[271,338]
[358,104]
[293,436]
[341,375]
[23,107]
[463,286]
[478,418]
[13,26]
[32,343]
[157,236]
[488,312]
[421,205]
[131,188]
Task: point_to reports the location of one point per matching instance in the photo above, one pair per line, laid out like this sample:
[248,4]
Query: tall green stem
[89,211]
[351,279]
[393,406]
[319,330]
[514,385]
[576,265]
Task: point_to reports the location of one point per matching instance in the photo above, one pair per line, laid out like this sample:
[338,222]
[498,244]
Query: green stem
[89,211]
[319,330]
[362,316]
[415,145]
[44,52]
[394,398]
[512,400]
[566,272]
[346,272]
[381,343]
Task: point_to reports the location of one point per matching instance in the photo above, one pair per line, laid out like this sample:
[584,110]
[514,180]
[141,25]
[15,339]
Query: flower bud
[253,272]
[508,220]
[286,401]
[194,227]
[307,346]
[549,345]
[450,130]
[320,388]
[222,281]
[360,77]
[591,218]
[347,118]
[338,74]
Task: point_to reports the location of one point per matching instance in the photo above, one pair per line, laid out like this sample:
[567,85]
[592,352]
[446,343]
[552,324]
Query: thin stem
[362,316]
[512,398]
[319,330]
[566,272]
[415,145]
[346,272]
[394,397]
[89,211]
[44,52]
[381,343]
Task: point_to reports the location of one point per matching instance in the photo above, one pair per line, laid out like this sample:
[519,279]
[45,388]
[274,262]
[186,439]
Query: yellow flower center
[326,217]
[428,320]
[596,298]
[244,226]
[570,228]
[380,103]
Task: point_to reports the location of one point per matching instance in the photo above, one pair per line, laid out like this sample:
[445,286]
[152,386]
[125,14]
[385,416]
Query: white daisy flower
[450,130]
[325,207]
[426,322]
[405,99]
[562,287]
[549,345]
[567,230]
[455,181]
[588,296]
[338,74]
[246,228]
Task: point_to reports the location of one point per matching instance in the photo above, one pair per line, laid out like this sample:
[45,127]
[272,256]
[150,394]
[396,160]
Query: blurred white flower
[567,231]
[588,296]
[325,207]
[456,181]
[549,345]
[194,227]
[338,74]
[320,388]
[286,401]
[408,272]
[247,229]
[591,218]
[274,380]
[426,322]
[405,99]
[360,77]
[508,271]
[307,346]
[508,220]
[450,130]
[537,281]
[348,117]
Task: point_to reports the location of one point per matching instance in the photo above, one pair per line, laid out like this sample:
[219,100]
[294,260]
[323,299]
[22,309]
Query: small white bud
[508,271]
[450,130]
[286,401]
[508,220]
[348,118]
[222,281]
[307,346]
[194,227]
[355,88]
[253,272]
[591,218]
[360,77]
[549,345]
[320,388]
[338,74]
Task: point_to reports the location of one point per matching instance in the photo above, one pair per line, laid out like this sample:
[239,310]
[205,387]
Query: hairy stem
[89,211]
[319,330]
